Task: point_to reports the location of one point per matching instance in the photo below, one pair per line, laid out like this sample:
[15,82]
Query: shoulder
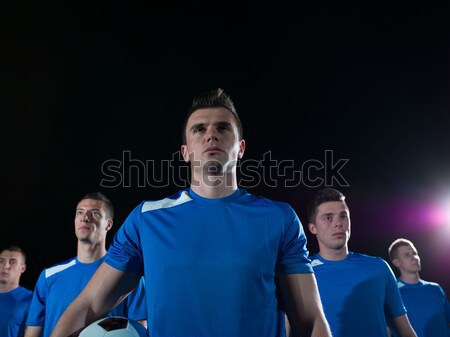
[57,268]
[370,263]
[270,204]
[22,293]
[316,261]
[376,260]
[25,292]
[430,284]
[179,198]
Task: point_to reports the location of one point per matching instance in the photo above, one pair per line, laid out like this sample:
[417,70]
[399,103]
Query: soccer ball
[114,327]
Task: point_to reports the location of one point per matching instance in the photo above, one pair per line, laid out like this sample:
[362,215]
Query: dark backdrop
[360,89]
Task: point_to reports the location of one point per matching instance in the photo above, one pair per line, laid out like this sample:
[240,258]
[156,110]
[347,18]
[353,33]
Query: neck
[214,186]
[333,254]
[87,252]
[8,286]
[411,278]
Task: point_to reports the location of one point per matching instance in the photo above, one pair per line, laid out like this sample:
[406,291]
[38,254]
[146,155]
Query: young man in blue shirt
[14,299]
[217,260]
[58,285]
[357,291]
[426,303]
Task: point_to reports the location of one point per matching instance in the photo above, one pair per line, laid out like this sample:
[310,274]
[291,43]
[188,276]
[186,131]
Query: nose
[338,222]
[87,217]
[211,134]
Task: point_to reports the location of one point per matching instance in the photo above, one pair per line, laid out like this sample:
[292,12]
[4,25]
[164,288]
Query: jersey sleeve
[447,307]
[125,252]
[293,253]
[137,306]
[36,313]
[393,301]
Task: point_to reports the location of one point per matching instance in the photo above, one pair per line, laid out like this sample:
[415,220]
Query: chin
[213,167]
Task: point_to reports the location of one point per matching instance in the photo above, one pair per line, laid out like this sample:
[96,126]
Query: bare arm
[403,326]
[389,332]
[107,287]
[303,306]
[33,331]
[143,322]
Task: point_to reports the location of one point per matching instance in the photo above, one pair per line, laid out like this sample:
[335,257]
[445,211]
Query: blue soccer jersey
[210,264]
[58,286]
[428,308]
[14,306]
[357,293]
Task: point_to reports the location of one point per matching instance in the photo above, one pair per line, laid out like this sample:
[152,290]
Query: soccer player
[217,260]
[358,291]
[426,303]
[57,286]
[14,299]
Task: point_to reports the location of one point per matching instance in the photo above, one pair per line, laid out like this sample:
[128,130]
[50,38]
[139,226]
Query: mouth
[212,149]
[339,235]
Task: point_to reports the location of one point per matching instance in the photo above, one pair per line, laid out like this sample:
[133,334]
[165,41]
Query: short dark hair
[393,248]
[101,197]
[216,98]
[14,248]
[324,195]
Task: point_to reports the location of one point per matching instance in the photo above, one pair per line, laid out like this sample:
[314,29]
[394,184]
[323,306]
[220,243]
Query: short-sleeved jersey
[210,264]
[357,293]
[428,308]
[14,306]
[58,286]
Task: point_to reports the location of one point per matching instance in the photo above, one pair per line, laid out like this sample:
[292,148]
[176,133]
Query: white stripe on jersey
[56,269]
[166,203]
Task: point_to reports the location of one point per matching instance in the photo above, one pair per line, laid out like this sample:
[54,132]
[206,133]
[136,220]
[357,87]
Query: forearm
[321,327]
[107,287]
[143,322]
[303,306]
[33,331]
[75,318]
[403,326]
[315,326]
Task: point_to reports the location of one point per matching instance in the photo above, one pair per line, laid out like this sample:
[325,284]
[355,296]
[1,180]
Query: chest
[352,284]
[208,236]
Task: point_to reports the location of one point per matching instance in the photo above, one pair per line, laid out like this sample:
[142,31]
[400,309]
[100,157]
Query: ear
[185,153]
[24,267]
[109,224]
[241,148]
[396,262]
[312,228]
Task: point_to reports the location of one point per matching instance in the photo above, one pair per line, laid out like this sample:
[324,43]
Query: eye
[223,127]
[328,218]
[199,128]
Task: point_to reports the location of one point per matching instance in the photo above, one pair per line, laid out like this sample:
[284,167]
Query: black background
[84,84]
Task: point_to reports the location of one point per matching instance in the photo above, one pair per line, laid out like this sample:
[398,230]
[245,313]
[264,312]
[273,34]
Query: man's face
[212,141]
[407,260]
[91,221]
[12,265]
[332,225]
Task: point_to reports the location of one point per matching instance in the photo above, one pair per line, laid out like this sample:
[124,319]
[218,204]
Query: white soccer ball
[114,327]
